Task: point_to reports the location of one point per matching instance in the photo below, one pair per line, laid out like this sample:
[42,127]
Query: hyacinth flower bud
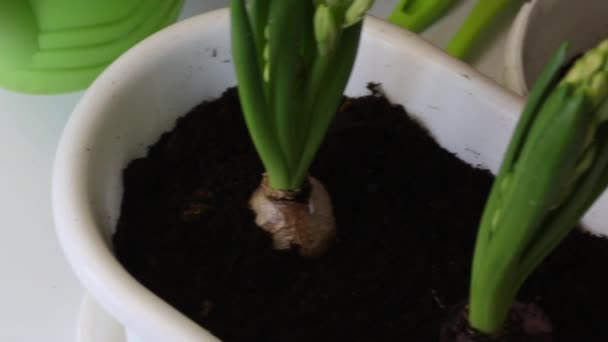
[326,29]
[356,11]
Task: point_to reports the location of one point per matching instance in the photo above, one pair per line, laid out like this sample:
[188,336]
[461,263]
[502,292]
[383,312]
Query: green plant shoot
[479,23]
[554,169]
[417,15]
[293,59]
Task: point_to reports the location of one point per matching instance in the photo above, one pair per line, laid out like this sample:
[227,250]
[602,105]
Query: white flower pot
[541,26]
[143,92]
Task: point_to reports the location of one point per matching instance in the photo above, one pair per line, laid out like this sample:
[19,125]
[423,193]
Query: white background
[39,296]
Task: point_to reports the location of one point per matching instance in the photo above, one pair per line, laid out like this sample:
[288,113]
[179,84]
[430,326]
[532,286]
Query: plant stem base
[526,323]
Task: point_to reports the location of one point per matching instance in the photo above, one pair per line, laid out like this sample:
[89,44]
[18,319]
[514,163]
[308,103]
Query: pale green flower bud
[266,53]
[593,62]
[266,56]
[584,68]
[326,29]
[603,46]
[590,75]
[598,86]
[356,11]
[266,73]
[601,113]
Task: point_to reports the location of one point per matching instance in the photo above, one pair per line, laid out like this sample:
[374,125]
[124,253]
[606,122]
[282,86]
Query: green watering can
[56,46]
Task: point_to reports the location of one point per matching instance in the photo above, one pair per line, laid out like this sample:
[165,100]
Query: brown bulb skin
[302,219]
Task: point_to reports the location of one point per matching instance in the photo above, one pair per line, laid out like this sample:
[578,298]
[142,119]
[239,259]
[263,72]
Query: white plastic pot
[143,92]
[541,26]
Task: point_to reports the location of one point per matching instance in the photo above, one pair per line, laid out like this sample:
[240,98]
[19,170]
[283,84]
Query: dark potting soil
[407,213]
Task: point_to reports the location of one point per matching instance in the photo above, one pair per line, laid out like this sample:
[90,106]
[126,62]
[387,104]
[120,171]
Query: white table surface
[39,295]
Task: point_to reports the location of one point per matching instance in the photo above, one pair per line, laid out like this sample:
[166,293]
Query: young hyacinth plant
[293,59]
[556,166]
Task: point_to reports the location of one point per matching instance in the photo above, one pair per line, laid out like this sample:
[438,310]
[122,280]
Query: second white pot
[541,26]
